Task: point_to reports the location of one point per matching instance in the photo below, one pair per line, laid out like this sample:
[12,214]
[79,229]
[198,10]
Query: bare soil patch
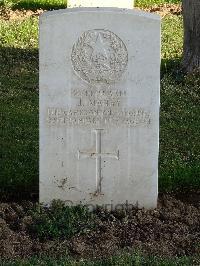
[9,14]
[173,229]
[165,9]
[162,10]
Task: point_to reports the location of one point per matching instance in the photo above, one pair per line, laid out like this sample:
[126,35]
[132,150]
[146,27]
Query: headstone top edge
[127,11]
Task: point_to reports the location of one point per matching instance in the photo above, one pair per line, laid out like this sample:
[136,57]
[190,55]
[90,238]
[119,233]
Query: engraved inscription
[99,56]
[97,93]
[97,117]
[98,155]
[99,98]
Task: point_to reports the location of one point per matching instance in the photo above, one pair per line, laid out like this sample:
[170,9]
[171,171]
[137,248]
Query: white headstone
[99,106]
[101,3]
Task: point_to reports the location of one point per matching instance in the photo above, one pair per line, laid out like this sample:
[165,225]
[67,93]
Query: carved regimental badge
[99,56]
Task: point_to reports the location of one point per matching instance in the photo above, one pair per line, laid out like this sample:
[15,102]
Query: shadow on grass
[179,164]
[172,66]
[19,139]
[12,60]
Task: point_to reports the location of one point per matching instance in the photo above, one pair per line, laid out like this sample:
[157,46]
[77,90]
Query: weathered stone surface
[99,106]
[101,3]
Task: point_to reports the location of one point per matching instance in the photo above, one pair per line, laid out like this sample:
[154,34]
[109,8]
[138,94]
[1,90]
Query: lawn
[35,4]
[122,260]
[149,3]
[179,162]
[55,4]
[179,146]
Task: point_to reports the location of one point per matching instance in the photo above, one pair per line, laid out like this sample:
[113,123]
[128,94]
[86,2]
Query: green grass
[179,123]
[172,42]
[179,142]
[179,166]
[60,221]
[56,4]
[34,4]
[134,259]
[179,133]
[148,3]
[19,106]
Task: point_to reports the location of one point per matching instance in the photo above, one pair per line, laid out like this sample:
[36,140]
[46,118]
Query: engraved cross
[98,155]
